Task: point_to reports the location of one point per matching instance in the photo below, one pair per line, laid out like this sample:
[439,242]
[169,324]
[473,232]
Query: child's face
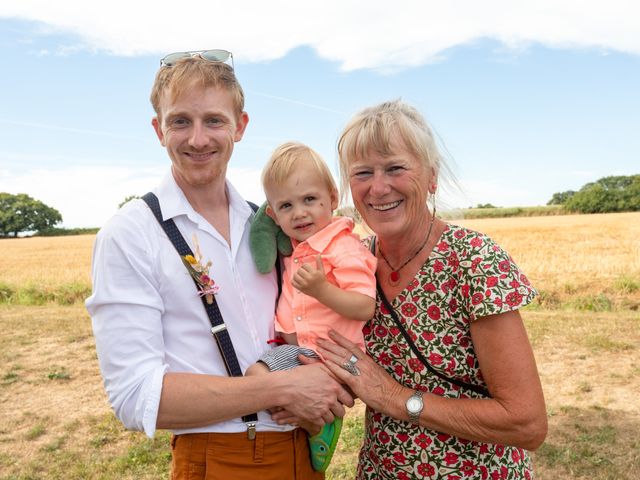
[302,205]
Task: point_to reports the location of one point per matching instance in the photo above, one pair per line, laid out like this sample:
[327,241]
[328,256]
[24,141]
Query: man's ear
[271,214]
[158,129]
[243,121]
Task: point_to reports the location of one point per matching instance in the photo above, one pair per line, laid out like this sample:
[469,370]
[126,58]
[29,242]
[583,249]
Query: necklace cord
[396,271]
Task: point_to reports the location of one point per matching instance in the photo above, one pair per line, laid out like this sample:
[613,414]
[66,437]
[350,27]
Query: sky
[526,98]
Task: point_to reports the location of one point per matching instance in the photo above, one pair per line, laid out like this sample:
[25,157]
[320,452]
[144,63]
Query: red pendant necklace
[394,276]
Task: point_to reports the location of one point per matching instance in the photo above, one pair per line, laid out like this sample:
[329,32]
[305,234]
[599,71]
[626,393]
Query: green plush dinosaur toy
[266,239]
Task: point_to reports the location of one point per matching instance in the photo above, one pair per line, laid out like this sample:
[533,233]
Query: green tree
[608,194]
[561,198]
[21,213]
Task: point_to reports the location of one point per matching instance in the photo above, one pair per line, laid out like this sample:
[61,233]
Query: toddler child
[329,279]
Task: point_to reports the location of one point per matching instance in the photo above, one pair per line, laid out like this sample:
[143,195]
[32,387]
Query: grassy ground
[55,421]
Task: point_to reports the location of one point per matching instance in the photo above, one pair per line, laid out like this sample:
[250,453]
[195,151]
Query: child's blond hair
[287,158]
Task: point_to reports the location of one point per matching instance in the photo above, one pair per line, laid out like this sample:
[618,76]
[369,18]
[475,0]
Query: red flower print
[513,299]
[384,310]
[470,361]
[484,448]
[451,458]
[423,441]
[442,246]
[438,266]
[384,358]
[504,266]
[492,281]
[527,476]
[435,359]
[366,330]
[438,391]
[395,350]
[409,310]
[453,261]
[426,470]
[399,458]
[453,305]
[524,279]
[459,234]
[497,301]
[504,473]
[499,450]
[476,242]
[484,472]
[447,339]
[487,293]
[403,437]
[428,336]
[383,437]
[399,371]
[468,468]
[465,290]
[514,284]
[434,312]
[464,342]
[386,463]
[451,365]
[477,298]
[416,365]
[380,331]
[403,476]
[429,287]
[495,475]
[443,437]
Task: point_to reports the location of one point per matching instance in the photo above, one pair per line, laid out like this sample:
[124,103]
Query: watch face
[414,404]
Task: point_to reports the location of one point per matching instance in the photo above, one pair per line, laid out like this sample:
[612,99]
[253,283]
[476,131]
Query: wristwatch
[414,406]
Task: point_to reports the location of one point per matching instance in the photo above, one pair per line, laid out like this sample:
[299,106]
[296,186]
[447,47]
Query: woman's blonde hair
[288,158]
[379,129]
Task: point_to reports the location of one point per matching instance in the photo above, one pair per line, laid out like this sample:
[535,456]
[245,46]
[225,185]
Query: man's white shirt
[148,318]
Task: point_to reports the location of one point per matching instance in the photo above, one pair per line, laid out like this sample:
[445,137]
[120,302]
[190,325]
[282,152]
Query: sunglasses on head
[221,56]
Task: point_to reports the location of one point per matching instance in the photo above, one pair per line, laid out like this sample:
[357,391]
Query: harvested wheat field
[55,422]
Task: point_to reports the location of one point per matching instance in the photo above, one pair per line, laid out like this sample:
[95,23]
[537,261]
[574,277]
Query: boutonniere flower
[199,271]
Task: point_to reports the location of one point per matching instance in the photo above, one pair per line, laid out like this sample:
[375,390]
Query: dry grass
[48,261]
[57,424]
[55,421]
[573,255]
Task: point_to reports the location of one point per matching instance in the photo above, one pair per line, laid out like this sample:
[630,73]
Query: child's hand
[309,279]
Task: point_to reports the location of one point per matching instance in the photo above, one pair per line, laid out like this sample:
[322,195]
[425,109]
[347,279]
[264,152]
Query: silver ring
[351,368]
[353,359]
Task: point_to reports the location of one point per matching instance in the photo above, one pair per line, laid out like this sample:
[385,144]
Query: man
[161,367]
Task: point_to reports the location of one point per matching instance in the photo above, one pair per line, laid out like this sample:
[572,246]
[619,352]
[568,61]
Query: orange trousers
[232,456]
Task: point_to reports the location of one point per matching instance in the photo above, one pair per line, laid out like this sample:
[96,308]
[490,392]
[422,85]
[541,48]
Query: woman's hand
[373,385]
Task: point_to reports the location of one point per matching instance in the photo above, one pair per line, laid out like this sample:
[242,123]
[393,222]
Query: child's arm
[313,282]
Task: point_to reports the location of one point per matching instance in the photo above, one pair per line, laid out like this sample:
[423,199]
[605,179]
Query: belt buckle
[251,430]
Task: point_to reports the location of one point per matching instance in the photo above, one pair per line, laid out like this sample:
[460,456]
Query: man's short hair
[195,71]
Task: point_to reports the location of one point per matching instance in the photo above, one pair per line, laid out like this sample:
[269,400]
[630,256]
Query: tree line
[21,213]
[608,194]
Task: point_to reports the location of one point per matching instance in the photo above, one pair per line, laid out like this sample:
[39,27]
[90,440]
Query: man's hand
[311,280]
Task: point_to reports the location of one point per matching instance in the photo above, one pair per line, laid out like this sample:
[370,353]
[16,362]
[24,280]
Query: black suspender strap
[474,388]
[218,327]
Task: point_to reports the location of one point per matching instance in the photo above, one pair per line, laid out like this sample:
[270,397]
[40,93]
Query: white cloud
[89,196]
[357,34]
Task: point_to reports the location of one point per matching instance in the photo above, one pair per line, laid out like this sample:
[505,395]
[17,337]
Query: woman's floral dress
[466,277]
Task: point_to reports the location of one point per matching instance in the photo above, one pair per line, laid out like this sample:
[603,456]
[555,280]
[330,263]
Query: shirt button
[295,260]
[298,318]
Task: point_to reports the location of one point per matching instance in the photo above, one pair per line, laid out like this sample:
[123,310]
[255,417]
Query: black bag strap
[412,345]
[218,328]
